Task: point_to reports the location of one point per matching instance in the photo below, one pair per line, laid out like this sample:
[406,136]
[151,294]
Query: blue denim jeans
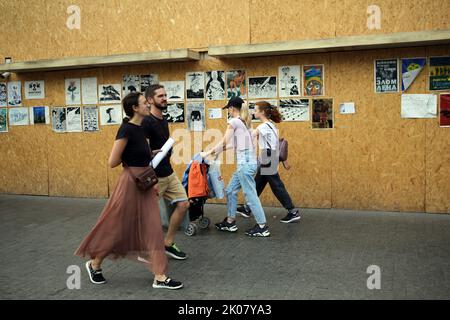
[244,177]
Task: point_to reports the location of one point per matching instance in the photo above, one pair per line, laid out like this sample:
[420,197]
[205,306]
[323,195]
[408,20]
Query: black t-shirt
[137,151]
[157,130]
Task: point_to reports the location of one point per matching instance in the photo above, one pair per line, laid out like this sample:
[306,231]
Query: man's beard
[160,106]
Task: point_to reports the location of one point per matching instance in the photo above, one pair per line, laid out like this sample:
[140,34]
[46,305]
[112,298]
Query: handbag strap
[276,135]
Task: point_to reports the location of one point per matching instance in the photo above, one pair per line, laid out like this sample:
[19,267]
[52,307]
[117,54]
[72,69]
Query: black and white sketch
[39,115]
[3,96]
[215,85]
[262,87]
[130,83]
[90,118]
[59,119]
[14,93]
[89,90]
[3,120]
[174,112]
[18,117]
[252,105]
[289,81]
[196,116]
[110,115]
[195,85]
[174,90]
[148,79]
[73,91]
[109,93]
[294,109]
[35,89]
[73,119]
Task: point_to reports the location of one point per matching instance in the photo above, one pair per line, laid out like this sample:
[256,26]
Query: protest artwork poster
[73,119]
[14,92]
[439,77]
[195,85]
[90,118]
[252,106]
[130,83]
[59,119]
[215,85]
[174,90]
[386,75]
[174,112]
[39,115]
[294,109]
[19,116]
[411,67]
[109,93]
[322,114]
[34,89]
[110,115]
[73,91]
[3,96]
[289,81]
[3,120]
[196,116]
[313,80]
[146,80]
[444,110]
[262,87]
[236,84]
[89,90]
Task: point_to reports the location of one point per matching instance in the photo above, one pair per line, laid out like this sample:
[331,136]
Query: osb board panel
[6,19]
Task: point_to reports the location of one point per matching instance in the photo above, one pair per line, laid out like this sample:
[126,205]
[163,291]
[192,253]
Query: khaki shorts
[170,188]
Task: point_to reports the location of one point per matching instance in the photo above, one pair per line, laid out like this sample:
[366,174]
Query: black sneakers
[175,253]
[226,226]
[95,276]
[167,284]
[292,216]
[257,231]
[244,211]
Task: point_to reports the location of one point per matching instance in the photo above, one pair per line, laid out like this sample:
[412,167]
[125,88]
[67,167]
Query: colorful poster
[147,80]
[262,87]
[174,112]
[313,80]
[110,115]
[3,120]
[90,119]
[174,90]
[215,85]
[109,93]
[289,81]
[59,119]
[419,106]
[39,115]
[73,91]
[130,83]
[444,110]
[386,75]
[236,84]
[73,119]
[439,73]
[294,109]
[411,67]
[322,114]
[18,117]
[14,94]
[195,85]
[3,96]
[35,89]
[196,116]
[89,90]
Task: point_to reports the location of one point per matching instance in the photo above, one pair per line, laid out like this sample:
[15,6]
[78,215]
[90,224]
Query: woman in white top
[239,131]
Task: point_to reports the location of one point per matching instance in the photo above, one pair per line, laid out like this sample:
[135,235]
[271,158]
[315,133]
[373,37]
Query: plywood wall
[372,160]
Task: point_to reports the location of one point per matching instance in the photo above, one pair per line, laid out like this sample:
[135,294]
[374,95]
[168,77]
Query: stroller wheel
[191,229]
[204,222]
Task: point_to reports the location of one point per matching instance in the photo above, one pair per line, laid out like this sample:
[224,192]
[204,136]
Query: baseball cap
[234,102]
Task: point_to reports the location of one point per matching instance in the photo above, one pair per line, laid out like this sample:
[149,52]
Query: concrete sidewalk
[324,256]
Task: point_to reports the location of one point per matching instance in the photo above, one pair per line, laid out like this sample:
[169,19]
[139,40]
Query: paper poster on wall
[89,90]
[147,80]
[39,115]
[411,67]
[3,120]
[73,91]
[294,109]
[215,113]
[386,75]
[347,108]
[289,81]
[236,84]
[35,89]
[174,112]
[444,110]
[109,93]
[90,118]
[439,78]
[195,85]
[59,119]
[174,90]
[262,87]
[18,117]
[130,83]
[14,92]
[110,115]
[73,119]
[313,80]
[322,114]
[196,116]
[252,106]
[215,85]
[3,96]
[419,106]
